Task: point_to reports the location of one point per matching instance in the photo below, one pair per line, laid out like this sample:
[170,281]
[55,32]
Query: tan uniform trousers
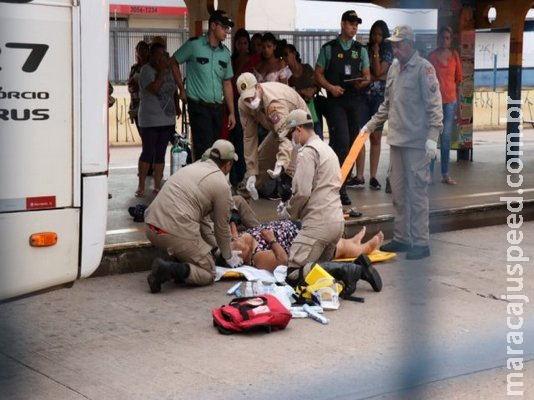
[248,216]
[409,177]
[193,251]
[312,245]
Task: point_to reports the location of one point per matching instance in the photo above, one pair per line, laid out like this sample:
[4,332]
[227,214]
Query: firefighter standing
[412,107]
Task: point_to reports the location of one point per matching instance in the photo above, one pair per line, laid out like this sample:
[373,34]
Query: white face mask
[254,104]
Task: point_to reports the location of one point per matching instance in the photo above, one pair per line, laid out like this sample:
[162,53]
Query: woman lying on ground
[267,245]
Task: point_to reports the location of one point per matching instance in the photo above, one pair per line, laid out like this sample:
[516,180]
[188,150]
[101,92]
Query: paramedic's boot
[163,271]
[369,273]
[348,273]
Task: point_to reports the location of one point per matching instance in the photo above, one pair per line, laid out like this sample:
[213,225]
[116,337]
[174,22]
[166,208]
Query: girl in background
[446,62]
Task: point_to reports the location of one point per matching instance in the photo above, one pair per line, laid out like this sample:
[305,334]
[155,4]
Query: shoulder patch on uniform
[275,117]
[431,79]
[354,54]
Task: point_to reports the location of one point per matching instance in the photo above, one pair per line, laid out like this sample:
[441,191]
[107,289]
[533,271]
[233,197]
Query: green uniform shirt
[325,55]
[207,68]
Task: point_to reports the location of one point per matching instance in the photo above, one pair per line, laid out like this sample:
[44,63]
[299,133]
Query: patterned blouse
[377,88]
[284,231]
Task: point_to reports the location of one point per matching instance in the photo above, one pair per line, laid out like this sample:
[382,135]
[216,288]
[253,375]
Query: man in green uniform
[343,70]
[209,74]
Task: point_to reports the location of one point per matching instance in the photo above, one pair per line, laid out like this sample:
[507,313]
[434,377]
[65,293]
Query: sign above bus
[146,10]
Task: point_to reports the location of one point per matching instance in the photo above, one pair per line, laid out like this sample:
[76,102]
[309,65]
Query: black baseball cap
[351,16]
[220,16]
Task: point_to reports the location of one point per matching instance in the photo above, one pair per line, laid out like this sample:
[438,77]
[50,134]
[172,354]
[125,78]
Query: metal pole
[494,72]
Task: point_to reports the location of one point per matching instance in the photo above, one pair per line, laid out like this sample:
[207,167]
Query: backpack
[248,314]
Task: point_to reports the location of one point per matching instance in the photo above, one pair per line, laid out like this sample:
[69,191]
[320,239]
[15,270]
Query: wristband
[273,242]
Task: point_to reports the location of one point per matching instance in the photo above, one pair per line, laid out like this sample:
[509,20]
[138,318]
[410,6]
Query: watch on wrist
[273,242]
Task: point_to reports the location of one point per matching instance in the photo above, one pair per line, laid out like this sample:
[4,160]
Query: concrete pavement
[438,329]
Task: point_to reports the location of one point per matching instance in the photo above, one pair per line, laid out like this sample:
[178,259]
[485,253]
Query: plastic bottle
[315,315]
[178,156]
[248,290]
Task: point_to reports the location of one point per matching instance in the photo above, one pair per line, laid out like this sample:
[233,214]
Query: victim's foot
[374,243]
[359,236]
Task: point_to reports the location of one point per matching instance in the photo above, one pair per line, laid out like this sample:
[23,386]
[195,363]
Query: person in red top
[446,62]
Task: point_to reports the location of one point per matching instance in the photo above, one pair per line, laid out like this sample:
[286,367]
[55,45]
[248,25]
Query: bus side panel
[36,137]
[94,45]
[26,269]
[95,203]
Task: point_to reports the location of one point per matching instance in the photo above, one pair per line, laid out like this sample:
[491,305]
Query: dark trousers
[236,137]
[206,124]
[342,119]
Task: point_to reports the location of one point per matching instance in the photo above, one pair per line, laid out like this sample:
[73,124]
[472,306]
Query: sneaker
[354,213]
[418,252]
[448,180]
[374,184]
[345,199]
[395,247]
[355,183]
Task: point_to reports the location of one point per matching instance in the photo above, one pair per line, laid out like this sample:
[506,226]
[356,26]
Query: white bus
[53,142]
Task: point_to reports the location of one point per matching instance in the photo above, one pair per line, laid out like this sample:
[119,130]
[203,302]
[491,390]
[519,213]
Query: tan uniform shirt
[316,183]
[188,198]
[277,101]
[412,104]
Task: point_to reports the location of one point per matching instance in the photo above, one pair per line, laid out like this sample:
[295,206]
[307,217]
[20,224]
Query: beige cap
[222,150]
[400,33]
[296,118]
[246,85]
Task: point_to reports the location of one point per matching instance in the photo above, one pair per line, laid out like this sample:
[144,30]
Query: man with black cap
[412,107]
[177,220]
[343,70]
[209,74]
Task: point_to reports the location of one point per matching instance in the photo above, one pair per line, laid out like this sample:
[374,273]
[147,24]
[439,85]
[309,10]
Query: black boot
[369,273]
[163,271]
[348,273]
[345,199]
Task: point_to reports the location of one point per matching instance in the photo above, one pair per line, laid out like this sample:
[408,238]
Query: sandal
[139,193]
[155,192]
[448,180]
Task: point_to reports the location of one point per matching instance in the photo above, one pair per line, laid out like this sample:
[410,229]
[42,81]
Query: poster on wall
[463,136]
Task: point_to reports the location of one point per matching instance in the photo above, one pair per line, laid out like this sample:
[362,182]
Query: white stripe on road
[124,167]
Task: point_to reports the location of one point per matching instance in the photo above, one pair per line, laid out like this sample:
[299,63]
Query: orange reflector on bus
[43,239]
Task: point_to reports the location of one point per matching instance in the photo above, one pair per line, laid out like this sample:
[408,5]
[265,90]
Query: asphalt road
[436,331]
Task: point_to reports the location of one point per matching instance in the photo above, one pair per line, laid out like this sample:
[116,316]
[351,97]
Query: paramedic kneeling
[177,220]
[315,196]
